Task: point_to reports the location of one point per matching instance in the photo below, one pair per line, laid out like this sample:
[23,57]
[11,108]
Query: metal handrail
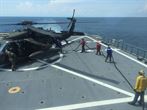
[138,52]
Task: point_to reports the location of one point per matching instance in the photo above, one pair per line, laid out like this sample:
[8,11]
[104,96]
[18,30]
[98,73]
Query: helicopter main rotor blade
[35,23]
[9,24]
[46,23]
[18,24]
[53,23]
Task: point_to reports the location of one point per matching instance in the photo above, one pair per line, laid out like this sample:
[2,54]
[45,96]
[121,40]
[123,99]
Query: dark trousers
[137,94]
[13,65]
[61,50]
[108,56]
[83,48]
[98,51]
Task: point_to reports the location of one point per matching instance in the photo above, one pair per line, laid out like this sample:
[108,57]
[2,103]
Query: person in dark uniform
[83,43]
[12,58]
[98,48]
[59,45]
[109,54]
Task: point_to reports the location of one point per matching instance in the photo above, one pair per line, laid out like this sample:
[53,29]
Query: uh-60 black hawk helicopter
[31,40]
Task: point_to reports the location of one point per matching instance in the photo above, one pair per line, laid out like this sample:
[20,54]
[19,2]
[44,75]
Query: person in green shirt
[12,58]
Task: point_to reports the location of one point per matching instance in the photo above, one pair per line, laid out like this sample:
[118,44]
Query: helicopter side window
[21,47]
[2,47]
[11,45]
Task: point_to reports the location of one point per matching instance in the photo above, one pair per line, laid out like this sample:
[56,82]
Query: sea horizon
[129,29]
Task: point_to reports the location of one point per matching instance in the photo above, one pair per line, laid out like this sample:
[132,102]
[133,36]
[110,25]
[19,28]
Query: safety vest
[109,51]
[98,46]
[82,42]
[141,83]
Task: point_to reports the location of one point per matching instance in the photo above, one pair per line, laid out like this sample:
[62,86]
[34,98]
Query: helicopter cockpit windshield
[2,45]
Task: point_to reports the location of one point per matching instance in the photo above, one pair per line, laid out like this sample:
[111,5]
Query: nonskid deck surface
[76,80]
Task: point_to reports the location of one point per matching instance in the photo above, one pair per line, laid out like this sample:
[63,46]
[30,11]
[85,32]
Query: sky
[64,8]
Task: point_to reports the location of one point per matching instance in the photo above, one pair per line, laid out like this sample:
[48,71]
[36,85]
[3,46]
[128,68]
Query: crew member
[12,58]
[98,48]
[58,44]
[109,54]
[82,43]
[139,89]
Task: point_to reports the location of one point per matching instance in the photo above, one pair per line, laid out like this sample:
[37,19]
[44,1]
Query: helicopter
[31,40]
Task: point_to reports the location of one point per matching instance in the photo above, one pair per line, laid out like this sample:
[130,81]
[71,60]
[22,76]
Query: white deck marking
[94,80]
[131,58]
[76,39]
[95,103]
[63,43]
[117,50]
[90,104]
[89,51]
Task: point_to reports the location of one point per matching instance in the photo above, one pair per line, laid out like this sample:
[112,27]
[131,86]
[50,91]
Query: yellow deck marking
[14,90]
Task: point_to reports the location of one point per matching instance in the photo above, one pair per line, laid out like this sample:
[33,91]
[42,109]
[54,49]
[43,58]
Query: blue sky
[84,8]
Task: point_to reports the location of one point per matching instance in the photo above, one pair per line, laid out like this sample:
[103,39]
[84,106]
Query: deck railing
[140,53]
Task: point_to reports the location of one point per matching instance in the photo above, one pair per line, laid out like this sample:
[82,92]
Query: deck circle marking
[14,90]
[36,67]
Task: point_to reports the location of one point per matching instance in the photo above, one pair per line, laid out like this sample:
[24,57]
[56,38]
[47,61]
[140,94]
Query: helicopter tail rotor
[72,18]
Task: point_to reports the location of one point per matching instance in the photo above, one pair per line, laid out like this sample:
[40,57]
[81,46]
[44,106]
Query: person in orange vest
[83,43]
[139,89]
[98,48]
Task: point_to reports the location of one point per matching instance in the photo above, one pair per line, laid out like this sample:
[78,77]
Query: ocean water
[130,30]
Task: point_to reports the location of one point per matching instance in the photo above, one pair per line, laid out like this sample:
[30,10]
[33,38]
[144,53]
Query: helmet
[141,72]
[97,42]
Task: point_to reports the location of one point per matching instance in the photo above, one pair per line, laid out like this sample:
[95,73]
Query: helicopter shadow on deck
[143,108]
[89,75]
